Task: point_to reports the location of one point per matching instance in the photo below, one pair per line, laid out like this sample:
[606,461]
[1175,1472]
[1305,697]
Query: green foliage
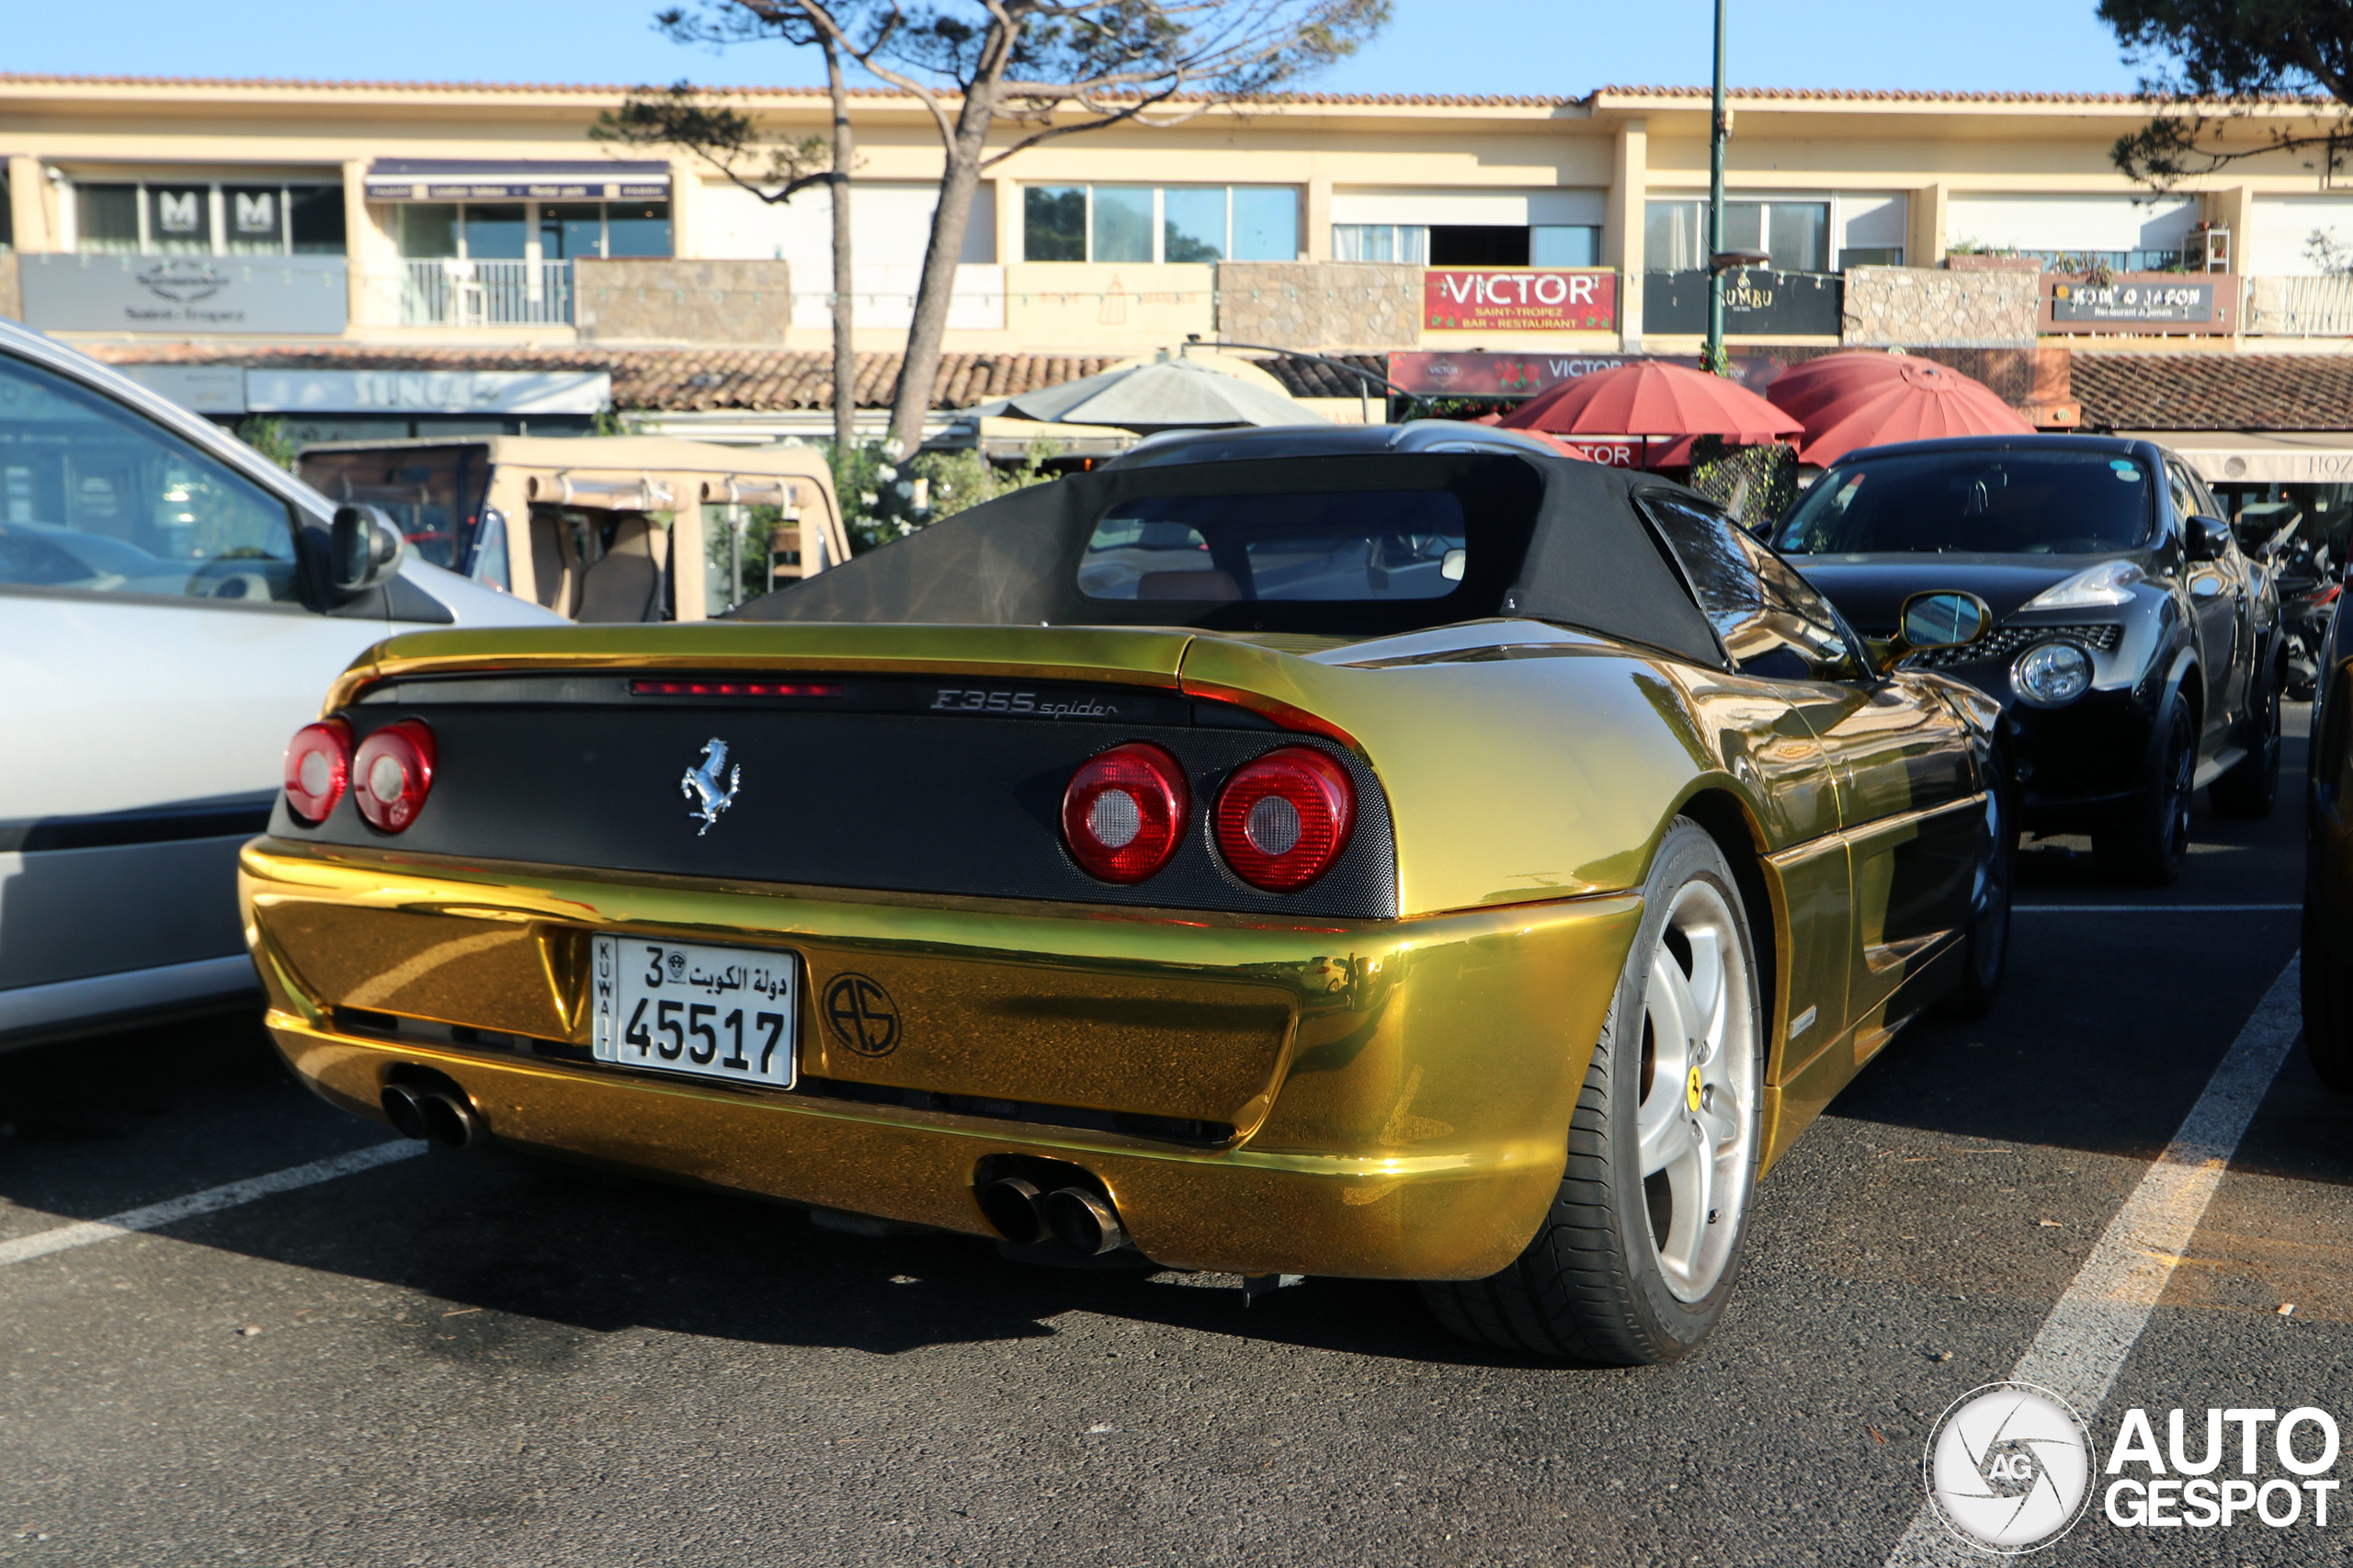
[878,494]
[718,545]
[683,115]
[2205,50]
[1755,484]
[267,433]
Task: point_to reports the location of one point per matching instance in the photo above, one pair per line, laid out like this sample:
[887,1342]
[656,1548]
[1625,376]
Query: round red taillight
[318,767]
[392,773]
[1125,810]
[1282,820]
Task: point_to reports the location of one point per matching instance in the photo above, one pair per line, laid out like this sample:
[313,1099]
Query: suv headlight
[2052,674]
[2107,584]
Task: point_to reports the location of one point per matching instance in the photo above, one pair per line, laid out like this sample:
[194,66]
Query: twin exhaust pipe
[436,1116]
[1084,1221]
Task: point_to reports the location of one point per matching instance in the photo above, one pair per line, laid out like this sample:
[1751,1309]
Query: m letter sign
[1524,298]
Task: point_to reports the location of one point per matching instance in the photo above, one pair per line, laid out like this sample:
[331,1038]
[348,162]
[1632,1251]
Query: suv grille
[2004,642]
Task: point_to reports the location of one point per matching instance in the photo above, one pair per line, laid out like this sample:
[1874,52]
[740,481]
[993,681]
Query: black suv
[2136,647]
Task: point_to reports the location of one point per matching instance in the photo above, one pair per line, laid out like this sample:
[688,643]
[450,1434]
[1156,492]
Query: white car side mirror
[363,550]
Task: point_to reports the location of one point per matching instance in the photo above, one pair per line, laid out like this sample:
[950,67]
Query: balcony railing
[444,291]
[2299,307]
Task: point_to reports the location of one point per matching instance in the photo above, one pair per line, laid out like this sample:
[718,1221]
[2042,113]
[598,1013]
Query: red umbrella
[1652,399]
[1847,400]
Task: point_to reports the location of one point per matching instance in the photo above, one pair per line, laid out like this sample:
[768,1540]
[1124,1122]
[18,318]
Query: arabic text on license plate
[725,1012]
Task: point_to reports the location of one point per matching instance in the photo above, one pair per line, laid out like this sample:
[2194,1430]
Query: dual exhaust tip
[435,1116]
[1084,1221]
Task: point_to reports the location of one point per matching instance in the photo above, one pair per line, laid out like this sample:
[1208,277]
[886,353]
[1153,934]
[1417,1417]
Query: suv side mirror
[2206,538]
[1944,618]
[363,550]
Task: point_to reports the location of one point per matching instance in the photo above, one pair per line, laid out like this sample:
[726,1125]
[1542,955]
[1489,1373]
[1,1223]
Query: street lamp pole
[1716,364]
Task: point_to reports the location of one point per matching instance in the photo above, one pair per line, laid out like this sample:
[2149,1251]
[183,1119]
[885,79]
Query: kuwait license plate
[723,1013]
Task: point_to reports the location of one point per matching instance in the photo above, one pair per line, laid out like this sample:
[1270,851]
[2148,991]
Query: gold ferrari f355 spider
[1400,853]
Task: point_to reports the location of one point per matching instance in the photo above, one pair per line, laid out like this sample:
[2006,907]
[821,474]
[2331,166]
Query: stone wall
[1320,305]
[1917,307]
[743,303]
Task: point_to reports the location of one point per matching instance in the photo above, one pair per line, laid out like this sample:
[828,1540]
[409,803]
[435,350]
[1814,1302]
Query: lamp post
[1715,362]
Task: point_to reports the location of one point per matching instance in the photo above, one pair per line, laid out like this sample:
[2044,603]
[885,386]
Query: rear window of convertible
[1349,546]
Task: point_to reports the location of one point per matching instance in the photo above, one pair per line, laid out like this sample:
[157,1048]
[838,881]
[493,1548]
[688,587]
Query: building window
[504,231]
[1198,223]
[1564,245]
[1795,234]
[1474,244]
[1053,222]
[108,218]
[193,218]
[1121,229]
[1870,255]
[1381,241]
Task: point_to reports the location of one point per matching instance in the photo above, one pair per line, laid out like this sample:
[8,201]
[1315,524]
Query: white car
[172,609]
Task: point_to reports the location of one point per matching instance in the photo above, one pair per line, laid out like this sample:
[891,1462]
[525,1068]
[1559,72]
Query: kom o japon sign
[1518,299]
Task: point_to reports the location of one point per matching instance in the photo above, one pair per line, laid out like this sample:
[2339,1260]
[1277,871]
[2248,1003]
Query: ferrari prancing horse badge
[701,785]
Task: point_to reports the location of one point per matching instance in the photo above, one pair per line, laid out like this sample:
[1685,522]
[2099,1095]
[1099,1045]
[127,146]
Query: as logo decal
[861,1014]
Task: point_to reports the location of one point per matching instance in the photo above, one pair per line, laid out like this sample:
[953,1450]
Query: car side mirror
[363,550]
[2207,539]
[1946,618]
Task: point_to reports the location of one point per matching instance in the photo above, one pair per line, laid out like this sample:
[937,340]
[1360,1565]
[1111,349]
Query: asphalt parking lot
[448,1359]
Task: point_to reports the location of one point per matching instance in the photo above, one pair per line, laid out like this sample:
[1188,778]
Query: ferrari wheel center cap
[1691,1086]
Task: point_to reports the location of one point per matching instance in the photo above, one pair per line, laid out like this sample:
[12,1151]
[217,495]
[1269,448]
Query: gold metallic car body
[1400,1090]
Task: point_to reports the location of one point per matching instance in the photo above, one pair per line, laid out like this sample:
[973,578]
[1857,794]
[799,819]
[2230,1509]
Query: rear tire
[2328,1006]
[2149,839]
[1637,1258]
[2251,787]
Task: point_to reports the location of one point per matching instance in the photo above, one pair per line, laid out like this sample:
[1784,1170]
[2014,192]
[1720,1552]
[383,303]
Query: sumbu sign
[1524,298]
[1781,304]
[308,295]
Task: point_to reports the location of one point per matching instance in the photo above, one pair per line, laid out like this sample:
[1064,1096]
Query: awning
[2226,456]
[512,179]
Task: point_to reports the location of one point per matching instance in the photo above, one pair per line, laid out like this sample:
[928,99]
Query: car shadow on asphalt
[2119,1005]
[552,1256]
[555,1255]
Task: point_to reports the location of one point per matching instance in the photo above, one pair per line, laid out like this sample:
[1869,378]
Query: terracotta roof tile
[1309,377]
[2215,391]
[1909,95]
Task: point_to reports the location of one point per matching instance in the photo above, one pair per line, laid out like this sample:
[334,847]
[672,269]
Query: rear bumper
[1391,1099]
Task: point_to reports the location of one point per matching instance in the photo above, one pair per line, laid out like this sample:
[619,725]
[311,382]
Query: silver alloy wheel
[1696,1121]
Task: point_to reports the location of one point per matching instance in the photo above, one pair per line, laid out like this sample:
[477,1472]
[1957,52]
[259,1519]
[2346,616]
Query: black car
[2327,963]
[2136,648]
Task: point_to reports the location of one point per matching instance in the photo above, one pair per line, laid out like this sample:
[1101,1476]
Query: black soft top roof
[1551,539]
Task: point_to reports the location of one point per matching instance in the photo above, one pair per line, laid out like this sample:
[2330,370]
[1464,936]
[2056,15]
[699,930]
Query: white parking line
[212,1199]
[2085,1340]
[2150,908]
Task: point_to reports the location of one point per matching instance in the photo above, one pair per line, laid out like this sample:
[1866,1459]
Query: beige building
[299,247]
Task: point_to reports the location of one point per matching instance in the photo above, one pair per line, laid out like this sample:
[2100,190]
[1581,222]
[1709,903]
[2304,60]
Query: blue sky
[1434,46]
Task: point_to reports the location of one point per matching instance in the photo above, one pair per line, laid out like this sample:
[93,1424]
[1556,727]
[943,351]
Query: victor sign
[1518,299]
